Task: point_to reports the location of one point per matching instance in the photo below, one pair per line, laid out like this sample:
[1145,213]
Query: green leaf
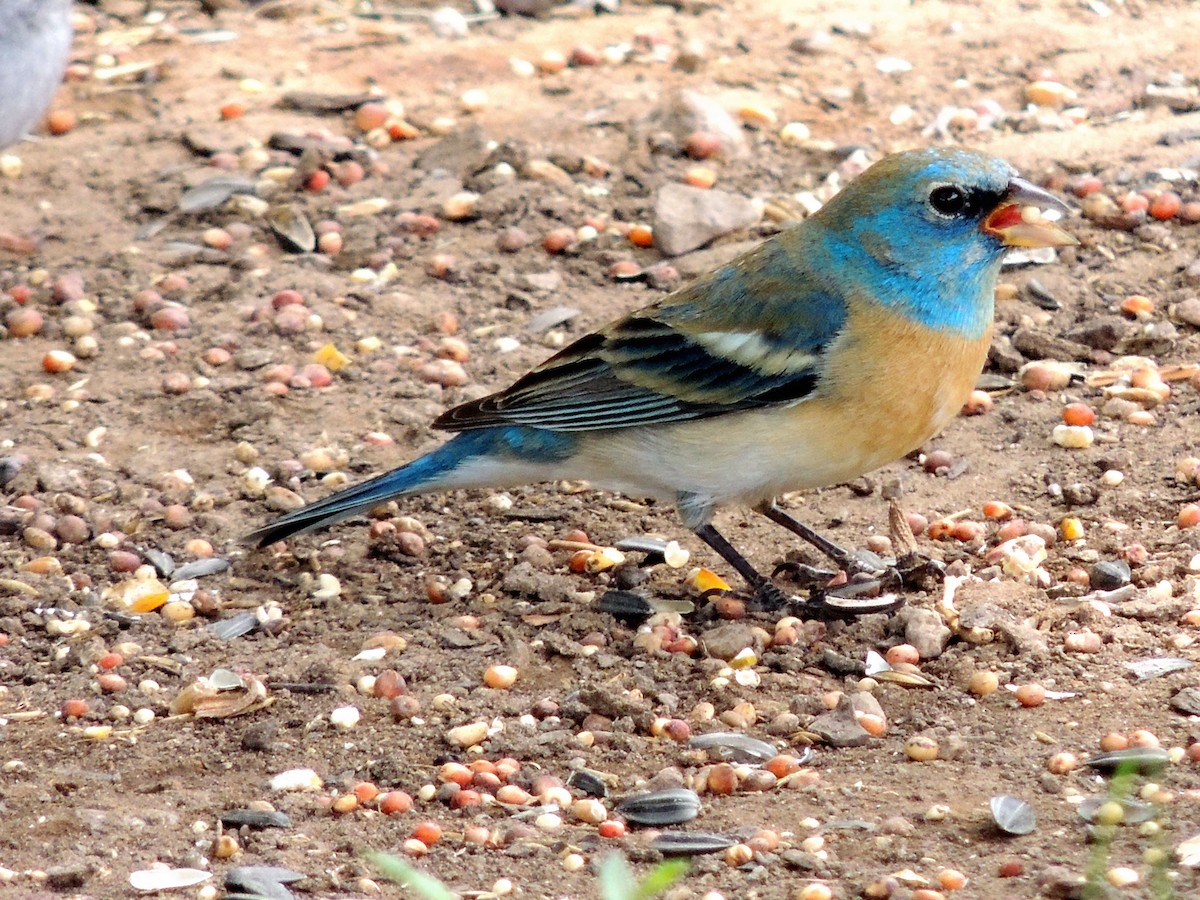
[617,879]
[402,873]
[661,877]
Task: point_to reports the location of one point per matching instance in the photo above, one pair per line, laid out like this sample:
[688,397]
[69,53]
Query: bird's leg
[822,605]
[864,561]
[765,590]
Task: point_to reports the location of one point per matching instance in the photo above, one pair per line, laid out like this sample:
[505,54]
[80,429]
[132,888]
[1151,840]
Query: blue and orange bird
[835,347]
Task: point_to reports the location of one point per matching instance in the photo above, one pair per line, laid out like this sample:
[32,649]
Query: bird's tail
[409,479]
[480,458]
[425,473]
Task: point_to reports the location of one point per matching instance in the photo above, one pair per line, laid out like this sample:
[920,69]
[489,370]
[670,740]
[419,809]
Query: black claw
[769,596]
[802,574]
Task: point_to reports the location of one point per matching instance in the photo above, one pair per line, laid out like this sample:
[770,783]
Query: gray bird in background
[35,40]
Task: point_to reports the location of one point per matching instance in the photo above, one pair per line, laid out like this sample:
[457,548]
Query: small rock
[686,218]
[1192,273]
[266,882]
[255,819]
[839,727]
[541,282]
[1102,333]
[727,641]
[460,154]
[925,630]
[688,111]
[1035,344]
[1187,312]
[68,877]
[1187,701]
[1059,881]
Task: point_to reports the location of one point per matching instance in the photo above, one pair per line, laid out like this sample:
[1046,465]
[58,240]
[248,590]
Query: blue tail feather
[433,471]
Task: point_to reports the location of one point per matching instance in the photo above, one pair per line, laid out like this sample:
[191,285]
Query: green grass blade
[426,885]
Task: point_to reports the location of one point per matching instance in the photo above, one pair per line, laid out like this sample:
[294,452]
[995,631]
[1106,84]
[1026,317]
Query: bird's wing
[752,334]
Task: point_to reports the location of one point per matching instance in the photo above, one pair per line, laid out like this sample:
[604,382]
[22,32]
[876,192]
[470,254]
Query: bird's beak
[1018,220]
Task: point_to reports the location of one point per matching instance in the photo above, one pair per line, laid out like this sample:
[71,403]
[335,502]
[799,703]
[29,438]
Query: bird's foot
[802,574]
[846,601]
[919,572]
[769,596]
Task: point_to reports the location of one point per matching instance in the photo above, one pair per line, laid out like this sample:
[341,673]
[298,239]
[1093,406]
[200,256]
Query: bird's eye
[949,200]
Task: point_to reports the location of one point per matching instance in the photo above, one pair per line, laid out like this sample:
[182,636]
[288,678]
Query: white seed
[296,780]
[794,133]
[676,557]
[345,717]
[1122,876]
[256,480]
[327,587]
[1073,437]
[506,344]
[467,735]
[474,99]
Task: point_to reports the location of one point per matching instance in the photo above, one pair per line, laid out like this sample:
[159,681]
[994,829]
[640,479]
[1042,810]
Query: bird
[838,345]
[35,40]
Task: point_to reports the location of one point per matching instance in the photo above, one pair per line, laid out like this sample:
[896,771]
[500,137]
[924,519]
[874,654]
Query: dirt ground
[148,446]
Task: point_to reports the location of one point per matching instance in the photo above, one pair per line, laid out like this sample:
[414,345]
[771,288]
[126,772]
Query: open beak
[1018,220]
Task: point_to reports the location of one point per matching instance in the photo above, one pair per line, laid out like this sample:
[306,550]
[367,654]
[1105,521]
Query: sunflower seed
[667,807]
[1137,759]
[1012,815]
[731,745]
[691,843]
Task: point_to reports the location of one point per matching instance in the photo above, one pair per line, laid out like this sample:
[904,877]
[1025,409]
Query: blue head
[923,233]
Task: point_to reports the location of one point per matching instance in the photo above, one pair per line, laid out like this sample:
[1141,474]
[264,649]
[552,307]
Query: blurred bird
[35,38]
[835,347]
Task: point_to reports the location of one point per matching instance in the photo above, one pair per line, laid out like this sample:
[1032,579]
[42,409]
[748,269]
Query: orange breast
[892,387]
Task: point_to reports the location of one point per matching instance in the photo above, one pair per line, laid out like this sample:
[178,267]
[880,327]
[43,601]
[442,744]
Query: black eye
[949,200]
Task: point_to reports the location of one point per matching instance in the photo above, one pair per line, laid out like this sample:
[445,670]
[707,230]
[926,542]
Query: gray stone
[688,111]
[1103,333]
[839,727]
[460,154]
[925,630]
[1187,312]
[686,218]
[728,640]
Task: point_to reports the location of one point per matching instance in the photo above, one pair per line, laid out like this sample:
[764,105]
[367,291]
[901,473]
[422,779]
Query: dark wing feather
[680,359]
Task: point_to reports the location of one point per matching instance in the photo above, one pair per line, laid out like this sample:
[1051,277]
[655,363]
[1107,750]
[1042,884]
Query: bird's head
[926,230]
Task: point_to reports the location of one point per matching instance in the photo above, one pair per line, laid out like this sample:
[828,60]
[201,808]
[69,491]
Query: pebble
[1187,312]
[686,218]
[925,630]
[689,111]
